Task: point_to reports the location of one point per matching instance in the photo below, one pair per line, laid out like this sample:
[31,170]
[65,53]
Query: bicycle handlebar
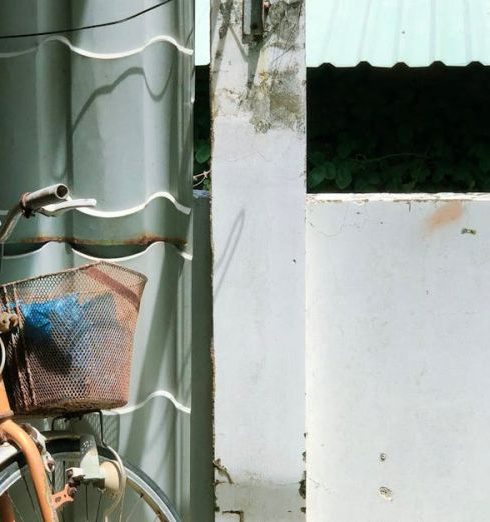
[50,201]
[33,201]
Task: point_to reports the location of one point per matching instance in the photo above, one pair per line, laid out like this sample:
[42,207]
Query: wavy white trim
[133,210]
[100,56]
[111,214]
[158,393]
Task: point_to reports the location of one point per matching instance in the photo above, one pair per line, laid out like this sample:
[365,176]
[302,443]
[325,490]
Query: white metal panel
[398,416]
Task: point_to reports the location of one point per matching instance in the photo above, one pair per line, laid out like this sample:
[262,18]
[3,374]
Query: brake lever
[70,204]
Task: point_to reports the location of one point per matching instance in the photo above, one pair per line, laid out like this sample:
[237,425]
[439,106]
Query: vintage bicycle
[65,350]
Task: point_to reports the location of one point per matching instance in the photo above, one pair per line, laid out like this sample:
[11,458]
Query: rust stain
[445,215]
[144,239]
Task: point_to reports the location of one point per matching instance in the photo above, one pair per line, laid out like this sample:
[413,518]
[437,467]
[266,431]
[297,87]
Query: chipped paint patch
[223,471]
[274,101]
[274,95]
[386,493]
[240,514]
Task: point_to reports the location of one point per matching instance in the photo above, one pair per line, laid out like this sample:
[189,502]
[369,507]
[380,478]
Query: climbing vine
[398,130]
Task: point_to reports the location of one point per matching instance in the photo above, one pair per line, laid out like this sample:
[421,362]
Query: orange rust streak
[6,509]
[14,433]
[143,240]
[446,214]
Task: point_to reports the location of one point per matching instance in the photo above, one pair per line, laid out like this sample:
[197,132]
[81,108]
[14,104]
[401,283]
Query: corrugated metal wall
[118,130]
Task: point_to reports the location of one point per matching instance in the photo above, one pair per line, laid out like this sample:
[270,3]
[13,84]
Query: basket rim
[76,269]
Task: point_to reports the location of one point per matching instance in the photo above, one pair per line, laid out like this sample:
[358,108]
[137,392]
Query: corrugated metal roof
[386,32]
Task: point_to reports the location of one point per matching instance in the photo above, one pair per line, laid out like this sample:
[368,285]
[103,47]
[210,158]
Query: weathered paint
[397,358]
[258,108]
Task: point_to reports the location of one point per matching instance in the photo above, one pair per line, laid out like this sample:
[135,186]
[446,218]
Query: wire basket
[72,349]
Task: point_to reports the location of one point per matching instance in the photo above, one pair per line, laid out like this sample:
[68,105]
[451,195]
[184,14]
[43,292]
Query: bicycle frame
[49,201]
[12,432]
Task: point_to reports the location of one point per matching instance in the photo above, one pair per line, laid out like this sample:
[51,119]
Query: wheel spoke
[143,501]
[34,509]
[86,503]
[16,509]
[134,508]
[98,507]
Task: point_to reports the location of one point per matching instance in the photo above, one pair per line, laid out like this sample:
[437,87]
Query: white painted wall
[398,358]
[258,211]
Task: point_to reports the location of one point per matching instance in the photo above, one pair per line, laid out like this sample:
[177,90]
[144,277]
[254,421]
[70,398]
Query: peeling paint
[274,101]
[222,470]
[386,493]
[273,96]
[240,514]
[302,487]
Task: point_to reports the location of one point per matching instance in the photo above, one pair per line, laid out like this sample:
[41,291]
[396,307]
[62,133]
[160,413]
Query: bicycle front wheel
[143,500]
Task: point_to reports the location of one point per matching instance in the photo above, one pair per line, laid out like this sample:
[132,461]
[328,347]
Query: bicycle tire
[14,468]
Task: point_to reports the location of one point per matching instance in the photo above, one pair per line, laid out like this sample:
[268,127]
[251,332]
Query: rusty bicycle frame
[50,201]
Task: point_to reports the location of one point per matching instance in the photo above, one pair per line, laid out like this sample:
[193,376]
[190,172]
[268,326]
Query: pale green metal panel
[386,32]
[120,131]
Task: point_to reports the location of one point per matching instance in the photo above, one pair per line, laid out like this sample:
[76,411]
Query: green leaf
[345,147]
[374,178]
[330,170]
[343,176]
[315,177]
[317,158]
[484,162]
[203,152]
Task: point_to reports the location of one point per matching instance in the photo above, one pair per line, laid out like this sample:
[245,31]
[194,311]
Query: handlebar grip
[33,201]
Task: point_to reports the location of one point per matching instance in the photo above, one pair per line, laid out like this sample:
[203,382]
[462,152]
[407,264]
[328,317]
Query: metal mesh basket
[72,349]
